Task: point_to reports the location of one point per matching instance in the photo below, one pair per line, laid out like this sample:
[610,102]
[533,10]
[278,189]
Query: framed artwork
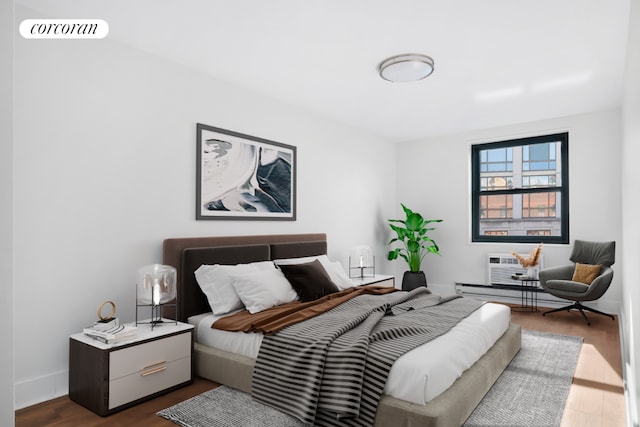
[244,177]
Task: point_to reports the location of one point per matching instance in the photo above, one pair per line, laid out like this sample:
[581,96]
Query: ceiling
[497,62]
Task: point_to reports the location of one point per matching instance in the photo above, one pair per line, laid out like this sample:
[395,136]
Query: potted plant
[412,233]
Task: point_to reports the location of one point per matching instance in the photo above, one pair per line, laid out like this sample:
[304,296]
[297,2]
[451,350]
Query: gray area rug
[532,391]
[226,407]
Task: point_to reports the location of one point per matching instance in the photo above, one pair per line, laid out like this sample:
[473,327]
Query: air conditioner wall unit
[501,266]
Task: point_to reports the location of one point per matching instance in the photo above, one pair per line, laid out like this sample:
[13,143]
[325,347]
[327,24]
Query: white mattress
[419,375]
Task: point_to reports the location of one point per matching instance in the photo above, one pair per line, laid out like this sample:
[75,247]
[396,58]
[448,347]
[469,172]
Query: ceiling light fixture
[408,67]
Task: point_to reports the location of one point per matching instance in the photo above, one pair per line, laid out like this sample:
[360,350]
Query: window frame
[563,189]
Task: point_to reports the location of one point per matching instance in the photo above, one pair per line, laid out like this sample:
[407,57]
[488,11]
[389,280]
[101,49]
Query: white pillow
[260,290]
[340,277]
[334,269]
[215,282]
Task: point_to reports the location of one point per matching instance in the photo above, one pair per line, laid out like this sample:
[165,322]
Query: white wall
[105,170]
[434,178]
[6,211]
[630,214]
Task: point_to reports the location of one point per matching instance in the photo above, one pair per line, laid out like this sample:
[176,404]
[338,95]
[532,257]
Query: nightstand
[107,378]
[378,280]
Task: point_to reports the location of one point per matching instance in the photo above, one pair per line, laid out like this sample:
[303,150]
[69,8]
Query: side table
[106,378]
[377,279]
[529,292]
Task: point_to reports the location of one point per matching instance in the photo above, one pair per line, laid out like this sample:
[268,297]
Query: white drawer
[140,384]
[144,357]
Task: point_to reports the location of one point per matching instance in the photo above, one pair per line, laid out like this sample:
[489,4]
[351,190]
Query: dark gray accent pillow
[310,280]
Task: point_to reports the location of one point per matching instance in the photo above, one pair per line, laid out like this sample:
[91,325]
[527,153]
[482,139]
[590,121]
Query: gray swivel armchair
[559,281]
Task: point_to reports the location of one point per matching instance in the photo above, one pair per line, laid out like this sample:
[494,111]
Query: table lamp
[361,259]
[155,287]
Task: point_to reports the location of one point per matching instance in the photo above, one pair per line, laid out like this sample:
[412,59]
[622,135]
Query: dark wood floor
[596,397]
[64,412]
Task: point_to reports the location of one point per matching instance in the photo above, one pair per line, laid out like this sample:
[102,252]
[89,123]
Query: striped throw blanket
[331,370]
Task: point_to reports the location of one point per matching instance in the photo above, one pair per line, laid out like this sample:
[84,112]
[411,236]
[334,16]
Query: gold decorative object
[533,258]
[110,316]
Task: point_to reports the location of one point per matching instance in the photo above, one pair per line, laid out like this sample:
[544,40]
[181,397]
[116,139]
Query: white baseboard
[41,389]
[513,296]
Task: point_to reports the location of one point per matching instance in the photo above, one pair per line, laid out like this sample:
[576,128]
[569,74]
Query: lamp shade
[361,257]
[156,284]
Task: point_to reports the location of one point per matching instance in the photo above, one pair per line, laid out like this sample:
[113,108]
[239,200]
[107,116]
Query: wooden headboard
[188,253]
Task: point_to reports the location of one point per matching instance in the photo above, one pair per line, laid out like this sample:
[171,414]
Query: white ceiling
[497,62]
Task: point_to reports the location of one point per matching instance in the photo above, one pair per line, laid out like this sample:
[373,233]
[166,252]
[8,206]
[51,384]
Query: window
[496,160]
[539,205]
[498,206]
[539,157]
[520,190]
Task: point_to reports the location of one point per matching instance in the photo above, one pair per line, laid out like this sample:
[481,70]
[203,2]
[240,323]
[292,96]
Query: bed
[450,407]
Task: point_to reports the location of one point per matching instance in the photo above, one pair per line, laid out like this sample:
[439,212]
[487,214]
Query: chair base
[578,306]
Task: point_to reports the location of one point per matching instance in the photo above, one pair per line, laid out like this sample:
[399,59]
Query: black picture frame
[243,177]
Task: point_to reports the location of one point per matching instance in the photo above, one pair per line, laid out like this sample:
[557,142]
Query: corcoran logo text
[64,28]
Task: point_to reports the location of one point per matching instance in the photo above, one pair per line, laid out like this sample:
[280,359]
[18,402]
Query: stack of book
[111,332]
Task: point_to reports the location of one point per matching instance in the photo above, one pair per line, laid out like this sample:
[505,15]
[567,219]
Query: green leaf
[432,249]
[393,254]
[414,222]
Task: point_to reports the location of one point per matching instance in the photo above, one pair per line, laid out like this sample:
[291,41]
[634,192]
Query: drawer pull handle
[153,371]
[154,365]
[153,368]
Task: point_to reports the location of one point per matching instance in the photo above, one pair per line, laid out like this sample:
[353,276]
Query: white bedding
[418,376]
